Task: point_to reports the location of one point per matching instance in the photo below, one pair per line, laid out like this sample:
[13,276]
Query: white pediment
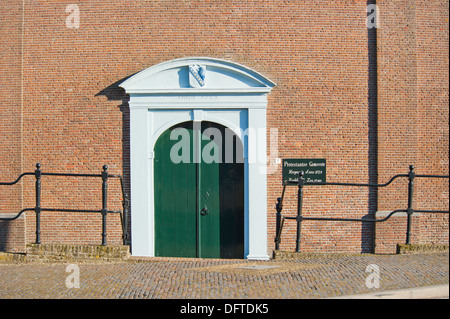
[220,76]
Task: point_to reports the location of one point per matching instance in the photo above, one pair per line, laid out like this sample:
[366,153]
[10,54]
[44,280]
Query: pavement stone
[316,277]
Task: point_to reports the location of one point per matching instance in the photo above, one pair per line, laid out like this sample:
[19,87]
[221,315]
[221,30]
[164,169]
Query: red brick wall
[321,109]
[433,101]
[321,55]
[393,232]
[413,111]
[10,122]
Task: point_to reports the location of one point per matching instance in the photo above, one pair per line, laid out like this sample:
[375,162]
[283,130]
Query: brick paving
[308,278]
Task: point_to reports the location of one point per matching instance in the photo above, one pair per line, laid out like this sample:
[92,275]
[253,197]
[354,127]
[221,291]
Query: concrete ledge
[62,252]
[420,249]
[430,292]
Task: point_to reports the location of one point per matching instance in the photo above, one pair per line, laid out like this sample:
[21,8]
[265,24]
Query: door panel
[209,219]
[232,210]
[175,200]
[199,206]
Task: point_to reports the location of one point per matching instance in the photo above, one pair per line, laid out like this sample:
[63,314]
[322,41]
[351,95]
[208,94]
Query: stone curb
[63,252]
[430,292]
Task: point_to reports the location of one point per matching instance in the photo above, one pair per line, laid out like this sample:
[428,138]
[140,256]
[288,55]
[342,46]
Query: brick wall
[11,122]
[12,233]
[413,112]
[393,232]
[322,110]
[321,55]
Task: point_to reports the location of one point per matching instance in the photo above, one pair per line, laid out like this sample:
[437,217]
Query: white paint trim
[199,91]
[238,108]
[257,184]
[141,173]
[204,101]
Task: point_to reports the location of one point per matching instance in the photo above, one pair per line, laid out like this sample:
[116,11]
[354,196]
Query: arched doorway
[199,192]
[165,95]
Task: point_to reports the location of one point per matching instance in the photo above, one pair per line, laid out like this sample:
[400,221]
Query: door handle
[204,211]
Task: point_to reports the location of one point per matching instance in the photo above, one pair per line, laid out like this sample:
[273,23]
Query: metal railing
[300,218]
[103,211]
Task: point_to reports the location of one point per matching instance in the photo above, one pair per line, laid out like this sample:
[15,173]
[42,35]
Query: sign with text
[314,170]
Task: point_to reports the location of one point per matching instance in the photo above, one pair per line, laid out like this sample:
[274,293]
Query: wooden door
[199,197]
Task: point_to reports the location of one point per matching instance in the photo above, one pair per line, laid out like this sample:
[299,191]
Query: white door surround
[198,89]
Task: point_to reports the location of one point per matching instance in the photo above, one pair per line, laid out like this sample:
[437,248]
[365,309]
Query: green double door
[199,192]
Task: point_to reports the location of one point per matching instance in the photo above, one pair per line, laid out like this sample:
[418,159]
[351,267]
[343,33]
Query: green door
[199,193]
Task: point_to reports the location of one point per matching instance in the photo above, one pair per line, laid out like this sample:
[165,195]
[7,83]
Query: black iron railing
[38,209]
[300,218]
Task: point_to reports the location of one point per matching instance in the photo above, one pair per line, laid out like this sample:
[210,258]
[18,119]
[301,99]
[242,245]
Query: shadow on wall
[12,230]
[368,229]
[4,235]
[12,234]
[115,93]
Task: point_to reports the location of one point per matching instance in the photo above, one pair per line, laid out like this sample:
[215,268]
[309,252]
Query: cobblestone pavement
[308,278]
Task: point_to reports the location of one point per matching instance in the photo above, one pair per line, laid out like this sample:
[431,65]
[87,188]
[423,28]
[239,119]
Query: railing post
[301,181]
[278,223]
[104,202]
[37,209]
[411,176]
[126,203]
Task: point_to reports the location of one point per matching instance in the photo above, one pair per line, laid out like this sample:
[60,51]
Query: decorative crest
[197,75]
